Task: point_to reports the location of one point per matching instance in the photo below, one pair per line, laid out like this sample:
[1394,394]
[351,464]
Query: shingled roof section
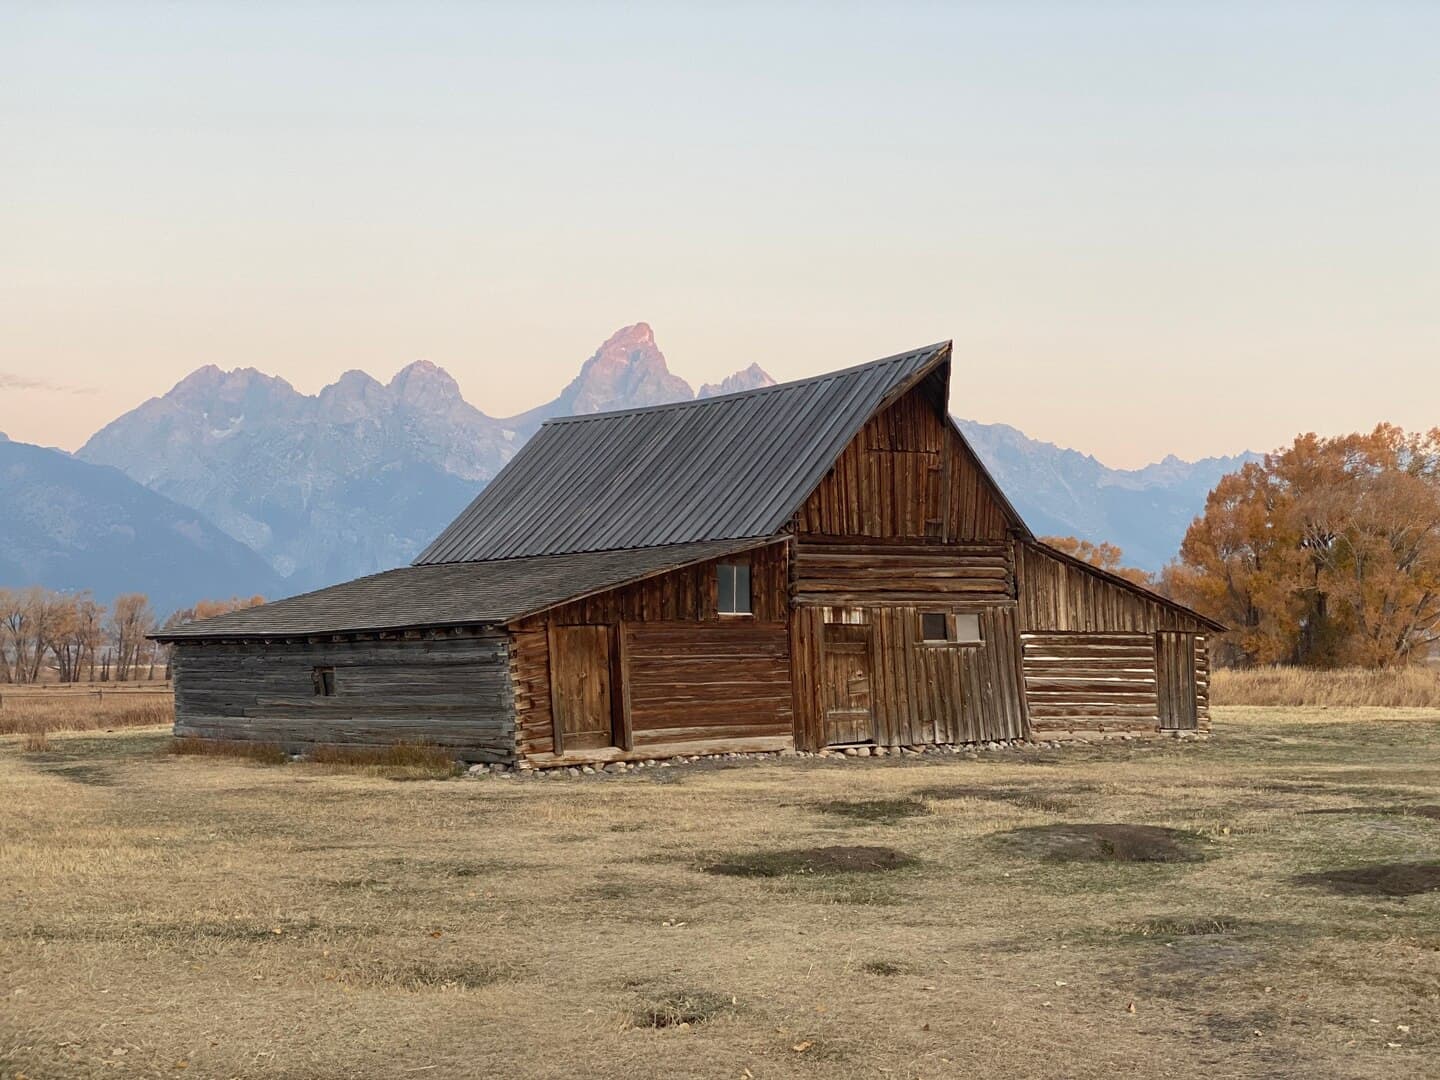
[450,594]
[721,468]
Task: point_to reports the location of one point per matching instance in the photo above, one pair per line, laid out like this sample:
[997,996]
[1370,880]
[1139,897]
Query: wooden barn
[820,563]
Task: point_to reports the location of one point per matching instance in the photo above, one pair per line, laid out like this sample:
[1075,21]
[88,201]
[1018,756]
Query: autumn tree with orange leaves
[1326,553]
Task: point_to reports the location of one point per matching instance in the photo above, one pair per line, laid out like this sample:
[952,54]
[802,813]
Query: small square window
[934,626]
[733,594]
[323,679]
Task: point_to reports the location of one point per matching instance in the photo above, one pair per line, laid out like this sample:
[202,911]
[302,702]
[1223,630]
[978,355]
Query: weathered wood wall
[693,674]
[1057,593]
[840,571]
[1093,683]
[905,475]
[919,692]
[704,682]
[452,692]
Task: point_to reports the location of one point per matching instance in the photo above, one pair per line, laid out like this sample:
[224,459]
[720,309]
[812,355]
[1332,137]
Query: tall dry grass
[25,712]
[1415,687]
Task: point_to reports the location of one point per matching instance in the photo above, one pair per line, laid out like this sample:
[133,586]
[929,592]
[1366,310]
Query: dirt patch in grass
[884,967]
[1105,843]
[838,859]
[681,1008]
[877,811]
[1378,879]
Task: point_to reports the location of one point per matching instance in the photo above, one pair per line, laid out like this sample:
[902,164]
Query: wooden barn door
[845,684]
[580,687]
[1175,679]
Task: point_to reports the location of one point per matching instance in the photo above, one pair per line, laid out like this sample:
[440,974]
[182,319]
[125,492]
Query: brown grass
[24,710]
[416,759]
[292,922]
[1414,687]
[262,752]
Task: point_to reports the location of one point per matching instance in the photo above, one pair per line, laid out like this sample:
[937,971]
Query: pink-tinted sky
[1150,228]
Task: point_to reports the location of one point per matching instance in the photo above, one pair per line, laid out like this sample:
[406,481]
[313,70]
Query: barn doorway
[1175,680]
[845,686]
[581,688]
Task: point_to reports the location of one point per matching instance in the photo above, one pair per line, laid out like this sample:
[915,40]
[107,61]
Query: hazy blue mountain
[70,525]
[1064,492]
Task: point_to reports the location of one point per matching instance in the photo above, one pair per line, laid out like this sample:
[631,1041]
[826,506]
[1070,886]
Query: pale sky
[1191,228]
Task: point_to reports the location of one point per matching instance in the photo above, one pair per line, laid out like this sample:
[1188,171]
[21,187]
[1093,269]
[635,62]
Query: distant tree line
[69,637]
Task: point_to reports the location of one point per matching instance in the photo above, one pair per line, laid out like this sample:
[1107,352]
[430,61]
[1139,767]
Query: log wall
[688,674]
[450,692]
[690,682]
[831,570]
[1079,683]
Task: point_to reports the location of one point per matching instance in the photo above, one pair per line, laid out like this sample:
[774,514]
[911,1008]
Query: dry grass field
[1416,687]
[182,915]
[38,710]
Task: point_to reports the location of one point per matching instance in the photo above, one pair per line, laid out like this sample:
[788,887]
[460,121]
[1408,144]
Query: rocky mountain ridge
[362,475]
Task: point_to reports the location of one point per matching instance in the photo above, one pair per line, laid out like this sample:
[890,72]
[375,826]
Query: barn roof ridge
[757,391]
[732,466]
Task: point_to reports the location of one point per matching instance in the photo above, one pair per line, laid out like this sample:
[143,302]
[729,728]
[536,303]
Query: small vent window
[734,591]
[967,629]
[324,680]
[941,627]
[934,626]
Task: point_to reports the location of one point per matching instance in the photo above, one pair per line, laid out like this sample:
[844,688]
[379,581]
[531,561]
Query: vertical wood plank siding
[1056,594]
[905,475]
[944,693]
[451,692]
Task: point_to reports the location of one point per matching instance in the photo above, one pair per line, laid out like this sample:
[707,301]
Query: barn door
[580,687]
[845,684]
[1175,679]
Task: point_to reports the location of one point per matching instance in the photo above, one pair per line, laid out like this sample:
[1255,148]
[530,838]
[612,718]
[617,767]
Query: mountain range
[69,525]
[360,476]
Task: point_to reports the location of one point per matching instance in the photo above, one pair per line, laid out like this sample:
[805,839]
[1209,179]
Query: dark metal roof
[451,594]
[721,468]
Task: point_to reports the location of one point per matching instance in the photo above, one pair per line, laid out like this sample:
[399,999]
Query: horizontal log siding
[453,693]
[905,475]
[840,572]
[1078,683]
[1059,595]
[530,675]
[1202,682]
[681,598]
[707,681]
[944,694]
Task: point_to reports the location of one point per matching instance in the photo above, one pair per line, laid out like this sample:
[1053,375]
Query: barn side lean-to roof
[596,501]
